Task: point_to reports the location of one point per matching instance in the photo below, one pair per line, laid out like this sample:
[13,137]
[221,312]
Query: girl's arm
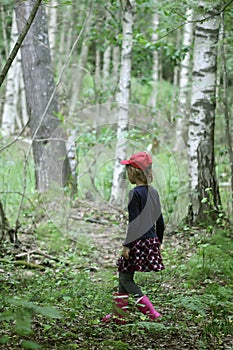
[160,228]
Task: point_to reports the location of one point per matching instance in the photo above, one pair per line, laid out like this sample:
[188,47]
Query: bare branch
[197,20]
[19,42]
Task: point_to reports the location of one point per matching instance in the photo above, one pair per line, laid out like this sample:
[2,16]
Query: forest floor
[56,288]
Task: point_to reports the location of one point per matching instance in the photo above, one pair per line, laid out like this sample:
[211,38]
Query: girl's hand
[125,252]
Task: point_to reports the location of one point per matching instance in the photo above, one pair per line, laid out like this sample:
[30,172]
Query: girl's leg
[127,284]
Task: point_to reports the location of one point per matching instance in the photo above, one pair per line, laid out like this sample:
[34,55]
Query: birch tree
[15,91]
[49,150]
[122,99]
[204,198]
[155,72]
[184,88]
[80,68]
[106,58]
[228,119]
[52,25]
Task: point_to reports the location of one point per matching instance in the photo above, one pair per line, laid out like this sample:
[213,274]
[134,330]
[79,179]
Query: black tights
[127,284]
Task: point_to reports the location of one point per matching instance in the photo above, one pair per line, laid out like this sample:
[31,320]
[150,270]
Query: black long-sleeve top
[145,217]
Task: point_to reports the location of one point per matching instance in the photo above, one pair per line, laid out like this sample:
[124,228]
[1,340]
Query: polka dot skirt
[144,256]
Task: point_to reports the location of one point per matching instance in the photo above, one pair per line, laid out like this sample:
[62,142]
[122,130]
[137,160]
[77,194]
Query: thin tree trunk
[79,72]
[106,61]
[62,38]
[155,72]
[204,192]
[228,133]
[52,26]
[183,100]
[4,35]
[106,66]
[116,64]
[23,103]
[97,70]
[10,110]
[116,52]
[4,224]
[123,98]
[14,111]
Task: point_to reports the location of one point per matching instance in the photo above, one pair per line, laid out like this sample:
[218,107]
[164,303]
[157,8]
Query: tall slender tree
[123,99]
[205,198]
[184,87]
[14,106]
[155,72]
[52,25]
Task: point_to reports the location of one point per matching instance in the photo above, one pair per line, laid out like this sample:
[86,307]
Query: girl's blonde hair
[144,176]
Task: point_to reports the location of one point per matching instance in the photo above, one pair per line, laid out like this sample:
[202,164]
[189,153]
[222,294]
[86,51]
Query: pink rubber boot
[120,308]
[145,306]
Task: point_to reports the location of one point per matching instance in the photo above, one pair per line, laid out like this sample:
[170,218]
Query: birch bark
[116,64]
[10,111]
[123,97]
[184,87]
[14,97]
[52,25]
[228,133]
[106,65]
[155,72]
[204,193]
[106,61]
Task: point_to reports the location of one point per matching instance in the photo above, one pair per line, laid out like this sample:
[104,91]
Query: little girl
[141,248]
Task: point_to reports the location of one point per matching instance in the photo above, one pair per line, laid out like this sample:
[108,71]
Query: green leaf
[47,311]
[27,344]
[5,339]
[204,200]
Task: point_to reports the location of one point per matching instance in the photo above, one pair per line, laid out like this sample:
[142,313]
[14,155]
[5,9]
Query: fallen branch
[23,263]
[37,252]
[94,221]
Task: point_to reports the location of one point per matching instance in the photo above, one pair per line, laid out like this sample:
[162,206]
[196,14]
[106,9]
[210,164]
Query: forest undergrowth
[56,288]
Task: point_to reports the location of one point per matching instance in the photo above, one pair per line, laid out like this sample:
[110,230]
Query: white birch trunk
[116,64]
[183,99]
[15,110]
[78,75]
[155,72]
[203,183]
[10,110]
[52,25]
[62,41]
[97,69]
[123,98]
[76,88]
[106,65]
[106,61]
[24,113]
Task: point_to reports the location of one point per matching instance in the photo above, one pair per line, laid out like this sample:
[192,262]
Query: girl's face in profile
[131,174]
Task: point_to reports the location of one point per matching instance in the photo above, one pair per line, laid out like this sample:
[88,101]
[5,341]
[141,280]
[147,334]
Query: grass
[13,180]
[61,307]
